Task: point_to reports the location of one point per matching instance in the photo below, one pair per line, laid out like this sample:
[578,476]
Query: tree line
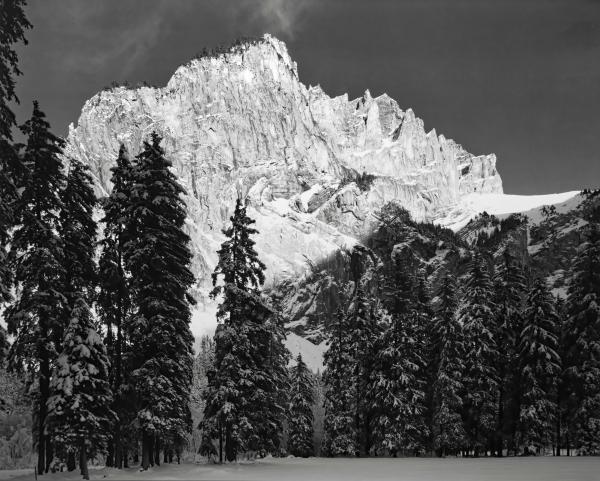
[488,363]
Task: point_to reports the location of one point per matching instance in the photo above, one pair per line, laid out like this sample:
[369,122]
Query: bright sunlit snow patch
[500,204]
[312,354]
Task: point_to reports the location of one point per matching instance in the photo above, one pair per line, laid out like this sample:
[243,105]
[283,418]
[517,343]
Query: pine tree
[509,294]
[448,432]
[36,316]
[244,404]
[300,441]
[78,231]
[582,356]
[158,258]
[364,325]
[79,414]
[398,388]
[540,366]
[339,438]
[480,377]
[13,24]
[114,300]
[78,234]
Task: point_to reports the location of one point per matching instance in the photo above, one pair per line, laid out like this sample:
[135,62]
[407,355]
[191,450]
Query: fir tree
[540,366]
[78,232]
[582,356]
[79,417]
[509,293]
[480,377]
[448,432]
[340,438]
[244,405]
[363,324]
[158,258]
[35,317]
[114,300]
[300,441]
[13,24]
[398,388]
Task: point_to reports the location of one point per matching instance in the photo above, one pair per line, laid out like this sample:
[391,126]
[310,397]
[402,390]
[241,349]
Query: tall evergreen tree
[114,300]
[398,388]
[364,325]
[244,407]
[79,417]
[13,24]
[448,432]
[36,316]
[78,234]
[340,438]
[158,259]
[509,294]
[540,366]
[78,231]
[480,377]
[582,356]
[300,441]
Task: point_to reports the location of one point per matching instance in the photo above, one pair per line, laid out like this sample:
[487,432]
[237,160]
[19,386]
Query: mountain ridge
[315,169]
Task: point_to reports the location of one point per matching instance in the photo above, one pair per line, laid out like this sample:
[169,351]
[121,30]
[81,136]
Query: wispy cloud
[97,34]
[279,17]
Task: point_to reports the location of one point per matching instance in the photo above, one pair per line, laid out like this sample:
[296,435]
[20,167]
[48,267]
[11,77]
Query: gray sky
[520,78]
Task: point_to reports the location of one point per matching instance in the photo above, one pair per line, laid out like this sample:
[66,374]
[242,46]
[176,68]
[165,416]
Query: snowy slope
[502,205]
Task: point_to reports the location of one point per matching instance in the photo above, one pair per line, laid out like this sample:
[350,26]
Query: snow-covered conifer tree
[158,259]
[300,442]
[36,317]
[114,299]
[540,367]
[448,432]
[582,350]
[79,413]
[509,293]
[480,377]
[245,405]
[339,436]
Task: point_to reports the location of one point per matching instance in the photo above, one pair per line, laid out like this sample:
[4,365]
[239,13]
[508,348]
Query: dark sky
[520,78]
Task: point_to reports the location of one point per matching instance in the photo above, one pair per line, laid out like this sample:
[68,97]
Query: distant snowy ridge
[502,205]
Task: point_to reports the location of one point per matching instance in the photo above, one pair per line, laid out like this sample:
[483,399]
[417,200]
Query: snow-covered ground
[376,469]
[499,205]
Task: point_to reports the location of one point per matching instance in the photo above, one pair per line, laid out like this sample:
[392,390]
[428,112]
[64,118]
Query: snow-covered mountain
[315,168]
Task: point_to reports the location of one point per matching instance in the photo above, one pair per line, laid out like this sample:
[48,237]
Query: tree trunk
[83,463]
[145,451]
[230,451]
[43,398]
[110,455]
[220,442]
[71,461]
[157,451]
[49,453]
[125,458]
[118,447]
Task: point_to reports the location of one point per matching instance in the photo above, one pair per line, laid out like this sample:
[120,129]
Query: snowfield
[503,205]
[349,469]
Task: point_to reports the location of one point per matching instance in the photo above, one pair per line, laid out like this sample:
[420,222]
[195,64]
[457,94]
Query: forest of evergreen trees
[487,364]
[98,325]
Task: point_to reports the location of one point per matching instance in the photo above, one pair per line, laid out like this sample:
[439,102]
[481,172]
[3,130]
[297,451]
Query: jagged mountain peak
[315,168]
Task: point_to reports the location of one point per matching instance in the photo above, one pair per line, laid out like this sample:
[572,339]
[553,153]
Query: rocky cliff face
[314,168]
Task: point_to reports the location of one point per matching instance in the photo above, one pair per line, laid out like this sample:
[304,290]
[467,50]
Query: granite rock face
[315,169]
